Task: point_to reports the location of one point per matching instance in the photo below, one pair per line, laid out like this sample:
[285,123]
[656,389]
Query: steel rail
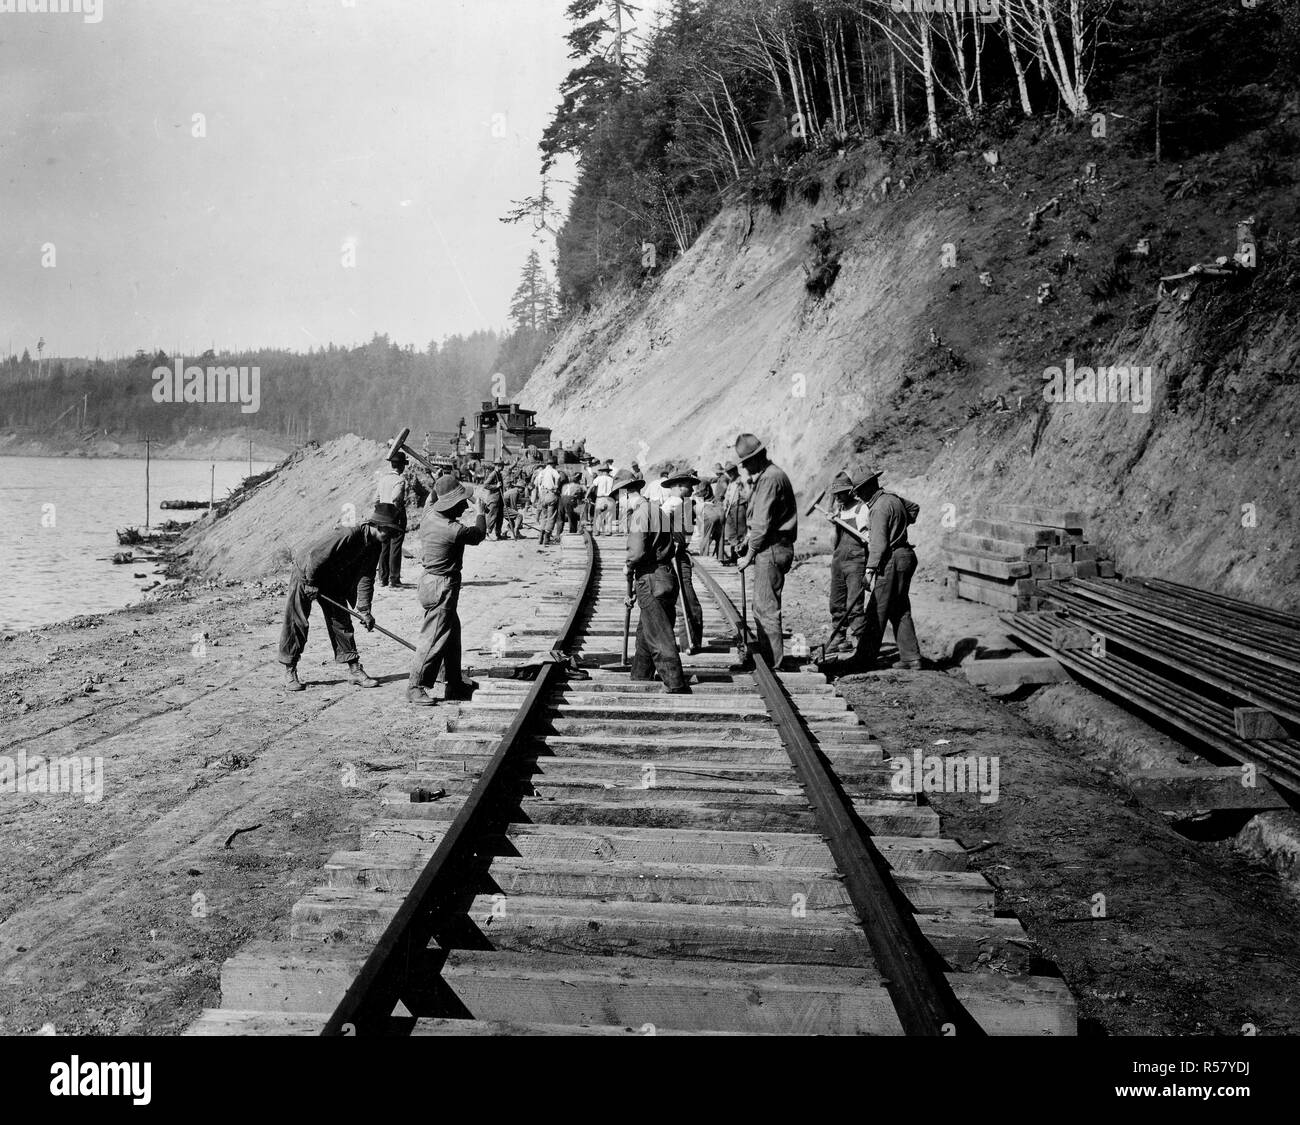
[1277,759]
[913,974]
[367,1006]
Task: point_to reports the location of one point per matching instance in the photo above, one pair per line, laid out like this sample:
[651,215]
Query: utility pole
[212,489]
[250,457]
[146,483]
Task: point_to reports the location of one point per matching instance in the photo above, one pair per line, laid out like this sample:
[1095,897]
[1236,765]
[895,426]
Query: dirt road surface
[116,915]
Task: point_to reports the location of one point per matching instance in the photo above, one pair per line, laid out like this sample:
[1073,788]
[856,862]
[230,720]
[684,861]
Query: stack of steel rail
[1184,656]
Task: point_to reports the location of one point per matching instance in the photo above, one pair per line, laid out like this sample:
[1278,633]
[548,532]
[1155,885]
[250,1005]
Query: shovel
[354,613]
[627,631]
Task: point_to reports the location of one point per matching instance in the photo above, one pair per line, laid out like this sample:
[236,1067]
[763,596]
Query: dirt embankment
[935,313]
[196,446]
[320,487]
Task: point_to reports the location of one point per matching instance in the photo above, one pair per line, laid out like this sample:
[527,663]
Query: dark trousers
[494,515]
[694,615]
[566,517]
[437,653]
[768,572]
[293,633]
[390,560]
[846,593]
[891,604]
[710,532]
[547,513]
[656,645]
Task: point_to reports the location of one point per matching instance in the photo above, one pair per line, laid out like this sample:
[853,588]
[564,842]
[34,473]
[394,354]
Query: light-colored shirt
[604,485]
[390,488]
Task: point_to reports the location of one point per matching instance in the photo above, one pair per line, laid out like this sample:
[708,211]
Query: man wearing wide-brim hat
[443,540]
[678,505]
[890,564]
[339,566]
[773,519]
[494,485]
[735,501]
[848,561]
[391,488]
[650,550]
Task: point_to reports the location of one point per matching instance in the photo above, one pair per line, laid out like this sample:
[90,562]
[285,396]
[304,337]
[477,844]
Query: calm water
[55,572]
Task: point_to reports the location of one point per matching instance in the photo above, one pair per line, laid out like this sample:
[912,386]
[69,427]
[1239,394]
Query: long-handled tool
[399,446]
[867,591]
[742,645]
[359,617]
[692,641]
[627,629]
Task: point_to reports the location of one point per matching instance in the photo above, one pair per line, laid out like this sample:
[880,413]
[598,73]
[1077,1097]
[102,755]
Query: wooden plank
[986,545]
[1065,637]
[1013,532]
[1061,518]
[1025,670]
[987,565]
[1194,791]
[1257,722]
[1085,552]
[1061,570]
[1022,586]
[1085,569]
[1105,568]
[1008,600]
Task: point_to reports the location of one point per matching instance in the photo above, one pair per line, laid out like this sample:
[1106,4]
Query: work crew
[602,502]
[650,549]
[494,486]
[848,561]
[547,484]
[891,562]
[391,488]
[772,517]
[734,520]
[443,539]
[678,509]
[339,566]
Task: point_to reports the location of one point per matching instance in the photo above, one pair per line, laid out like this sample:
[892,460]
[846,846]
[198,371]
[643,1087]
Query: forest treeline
[372,389]
[715,99]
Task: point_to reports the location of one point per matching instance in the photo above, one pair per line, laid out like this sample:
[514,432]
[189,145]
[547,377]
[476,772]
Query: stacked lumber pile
[1223,671]
[999,561]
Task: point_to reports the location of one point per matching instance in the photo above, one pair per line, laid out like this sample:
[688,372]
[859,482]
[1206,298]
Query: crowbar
[354,613]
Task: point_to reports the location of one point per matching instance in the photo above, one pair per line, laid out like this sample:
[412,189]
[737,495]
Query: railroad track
[630,862]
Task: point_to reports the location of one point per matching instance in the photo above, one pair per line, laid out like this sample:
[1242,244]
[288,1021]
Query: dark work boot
[461,691]
[291,681]
[418,697]
[358,676]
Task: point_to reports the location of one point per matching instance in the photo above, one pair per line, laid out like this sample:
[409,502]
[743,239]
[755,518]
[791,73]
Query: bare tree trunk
[927,62]
[1025,105]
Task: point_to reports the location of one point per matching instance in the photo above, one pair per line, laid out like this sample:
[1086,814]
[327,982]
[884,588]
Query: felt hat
[398,458]
[729,467]
[448,492]
[625,478]
[842,483]
[747,446]
[864,478]
[385,515]
[681,475]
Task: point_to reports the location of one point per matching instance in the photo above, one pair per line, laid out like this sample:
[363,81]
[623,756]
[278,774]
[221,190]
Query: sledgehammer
[399,446]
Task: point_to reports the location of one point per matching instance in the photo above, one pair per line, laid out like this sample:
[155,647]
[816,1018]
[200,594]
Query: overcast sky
[326,121]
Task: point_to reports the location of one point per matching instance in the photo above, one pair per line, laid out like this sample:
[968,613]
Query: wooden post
[146,484]
[212,489]
[250,457]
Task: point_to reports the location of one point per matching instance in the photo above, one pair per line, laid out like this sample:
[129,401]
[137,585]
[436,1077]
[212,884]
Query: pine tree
[532,307]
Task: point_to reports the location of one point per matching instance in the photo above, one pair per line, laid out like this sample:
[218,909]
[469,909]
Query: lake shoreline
[116,447]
